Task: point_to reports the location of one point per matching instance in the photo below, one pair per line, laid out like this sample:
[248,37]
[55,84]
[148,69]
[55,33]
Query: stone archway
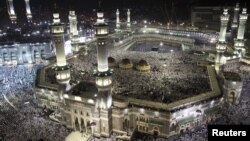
[24,57]
[182,131]
[88,126]
[126,124]
[83,125]
[5,58]
[13,57]
[42,54]
[36,55]
[172,127]
[233,96]
[77,127]
[156,131]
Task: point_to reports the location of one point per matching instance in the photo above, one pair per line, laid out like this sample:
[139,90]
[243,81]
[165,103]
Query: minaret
[117,20]
[224,21]
[236,16]
[28,11]
[103,76]
[128,20]
[11,11]
[62,69]
[221,45]
[73,31]
[73,23]
[239,43]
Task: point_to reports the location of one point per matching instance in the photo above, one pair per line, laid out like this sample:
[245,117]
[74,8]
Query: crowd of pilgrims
[20,118]
[230,114]
[177,73]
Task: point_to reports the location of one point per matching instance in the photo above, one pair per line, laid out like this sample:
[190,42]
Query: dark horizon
[147,8]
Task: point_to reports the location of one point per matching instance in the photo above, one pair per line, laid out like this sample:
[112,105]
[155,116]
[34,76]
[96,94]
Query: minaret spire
[236,16]
[99,8]
[117,20]
[73,31]
[28,11]
[11,11]
[239,43]
[128,20]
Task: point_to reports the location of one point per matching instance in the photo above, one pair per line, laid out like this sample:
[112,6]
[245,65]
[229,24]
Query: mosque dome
[126,64]
[246,58]
[111,62]
[143,66]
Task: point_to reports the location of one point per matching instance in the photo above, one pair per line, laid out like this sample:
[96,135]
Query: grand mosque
[150,78]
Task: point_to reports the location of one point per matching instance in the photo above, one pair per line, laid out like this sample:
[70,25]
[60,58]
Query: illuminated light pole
[28,11]
[239,42]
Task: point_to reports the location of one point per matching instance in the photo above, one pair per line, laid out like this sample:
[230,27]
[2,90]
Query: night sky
[148,7]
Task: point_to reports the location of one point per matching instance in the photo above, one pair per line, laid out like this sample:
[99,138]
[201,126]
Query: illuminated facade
[89,111]
[93,109]
[232,87]
[25,53]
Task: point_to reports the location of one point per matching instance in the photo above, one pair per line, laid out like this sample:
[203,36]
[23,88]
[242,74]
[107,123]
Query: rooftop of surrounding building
[232,76]
[84,89]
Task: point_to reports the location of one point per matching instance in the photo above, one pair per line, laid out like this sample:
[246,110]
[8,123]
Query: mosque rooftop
[232,76]
[84,89]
